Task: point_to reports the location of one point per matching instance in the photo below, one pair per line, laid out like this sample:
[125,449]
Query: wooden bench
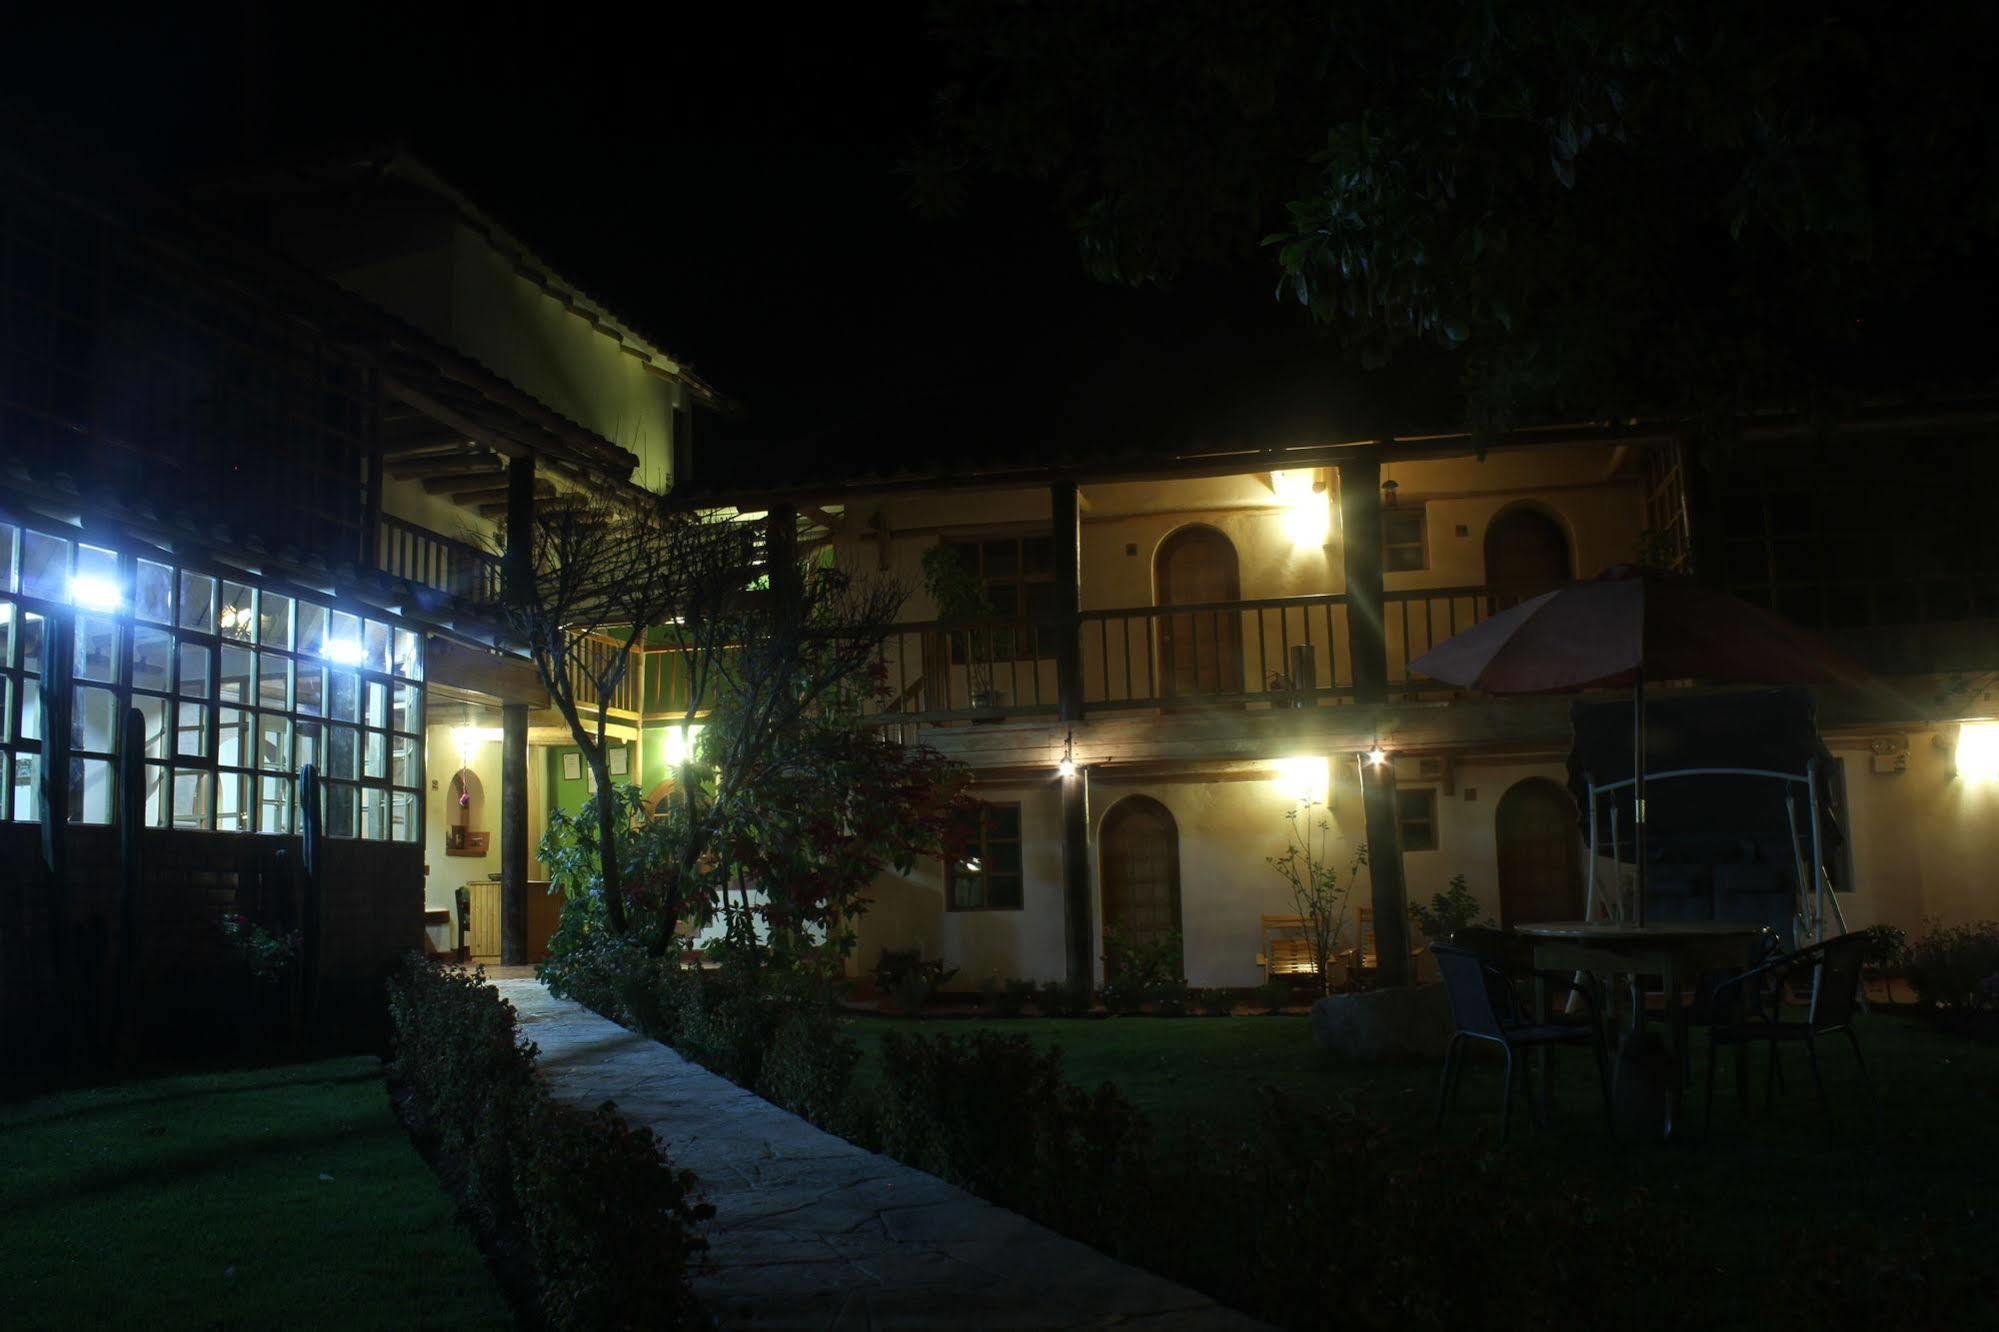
[1286,951]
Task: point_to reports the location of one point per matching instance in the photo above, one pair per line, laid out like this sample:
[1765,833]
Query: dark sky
[723,175]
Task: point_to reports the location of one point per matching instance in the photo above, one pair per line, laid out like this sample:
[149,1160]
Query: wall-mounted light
[1978,751]
[1377,756]
[469,738]
[1067,767]
[1303,779]
[1308,518]
[93,592]
[1388,489]
[680,744]
[344,651]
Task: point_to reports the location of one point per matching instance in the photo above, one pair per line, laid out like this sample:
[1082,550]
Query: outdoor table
[1675,952]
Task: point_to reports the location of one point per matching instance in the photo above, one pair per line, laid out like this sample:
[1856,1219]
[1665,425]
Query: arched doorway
[1138,856]
[1200,652]
[1526,554]
[1540,860]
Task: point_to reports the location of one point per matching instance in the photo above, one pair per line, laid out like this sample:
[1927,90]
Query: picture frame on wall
[572,767]
[619,761]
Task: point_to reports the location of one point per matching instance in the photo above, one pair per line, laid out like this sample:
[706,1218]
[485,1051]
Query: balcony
[454,569]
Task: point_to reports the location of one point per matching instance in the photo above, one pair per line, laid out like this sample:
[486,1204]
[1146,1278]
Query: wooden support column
[1067,526]
[53,792]
[781,560]
[1079,922]
[1390,896]
[514,834]
[1360,546]
[517,565]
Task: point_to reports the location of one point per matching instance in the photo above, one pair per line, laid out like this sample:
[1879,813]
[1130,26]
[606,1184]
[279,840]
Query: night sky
[727,179]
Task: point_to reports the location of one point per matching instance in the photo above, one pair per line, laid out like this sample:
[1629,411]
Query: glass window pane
[7,538]
[1037,555]
[96,648]
[6,717]
[274,680]
[274,620]
[311,629]
[193,799]
[309,752]
[274,804]
[403,760]
[238,675]
[238,615]
[97,583]
[44,566]
[1003,821]
[343,639]
[407,712]
[340,809]
[6,634]
[194,671]
[153,595]
[232,802]
[311,693]
[403,815]
[154,710]
[375,757]
[91,785]
[232,738]
[1002,558]
[343,751]
[27,768]
[274,742]
[152,658]
[31,642]
[197,602]
[191,730]
[343,691]
[409,654]
[157,786]
[93,720]
[375,706]
[376,641]
[1003,858]
[31,710]
[375,814]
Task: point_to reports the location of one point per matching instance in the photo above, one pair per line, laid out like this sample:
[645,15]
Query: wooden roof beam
[455,483]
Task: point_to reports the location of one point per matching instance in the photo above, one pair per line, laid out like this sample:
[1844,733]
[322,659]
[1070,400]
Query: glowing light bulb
[1303,779]
[1067,767]
[344,652]
[1978,751]
[94,593]
[1308,518]
[1377,756]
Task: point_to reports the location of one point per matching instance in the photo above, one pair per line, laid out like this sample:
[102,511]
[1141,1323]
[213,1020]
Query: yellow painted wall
[1924,840]
[443,873]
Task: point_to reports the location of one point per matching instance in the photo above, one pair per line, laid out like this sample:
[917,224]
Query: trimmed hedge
[608,1225]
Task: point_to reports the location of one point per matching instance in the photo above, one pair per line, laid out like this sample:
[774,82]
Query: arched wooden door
[1139,863]
[1540,859]
[1200,652]
[1526,554]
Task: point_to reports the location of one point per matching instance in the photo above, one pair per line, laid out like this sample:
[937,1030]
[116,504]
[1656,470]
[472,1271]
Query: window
[1018,575]
[986,876]
[1403,548]
[229,701]
[1416,814]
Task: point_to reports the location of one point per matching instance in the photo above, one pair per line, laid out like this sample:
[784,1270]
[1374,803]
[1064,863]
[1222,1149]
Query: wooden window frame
[980,844]
[1027,645]
[1403,819]
[1421,545]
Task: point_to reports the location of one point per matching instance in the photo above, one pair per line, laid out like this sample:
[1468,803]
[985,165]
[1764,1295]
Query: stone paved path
[811,1231]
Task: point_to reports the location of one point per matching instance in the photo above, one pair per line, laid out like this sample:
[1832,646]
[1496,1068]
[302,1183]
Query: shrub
[608,1225]
[1948,966]
[1169,998]
[1273,994]
[992,1114]
[904,974]
[1011,997]
[809,1067]
[1061,999]
[1449,912]
[1215,1003]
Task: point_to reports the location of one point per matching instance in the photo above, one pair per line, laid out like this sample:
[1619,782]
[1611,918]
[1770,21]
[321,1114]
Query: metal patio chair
[1749,1008]
[1485,1007]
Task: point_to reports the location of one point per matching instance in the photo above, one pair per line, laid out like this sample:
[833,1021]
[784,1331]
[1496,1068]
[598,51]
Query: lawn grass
[1927,1162]
[259,1198]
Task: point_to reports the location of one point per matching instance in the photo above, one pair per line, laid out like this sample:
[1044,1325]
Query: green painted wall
[564,794]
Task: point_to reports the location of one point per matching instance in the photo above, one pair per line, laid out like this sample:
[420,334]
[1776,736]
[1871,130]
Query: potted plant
[961,600]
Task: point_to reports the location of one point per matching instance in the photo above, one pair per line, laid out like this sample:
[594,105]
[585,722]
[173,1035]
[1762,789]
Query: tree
[1318,891]
[1594,211]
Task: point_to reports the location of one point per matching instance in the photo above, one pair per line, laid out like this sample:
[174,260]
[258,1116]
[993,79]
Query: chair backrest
[1465,986]
[1836,987]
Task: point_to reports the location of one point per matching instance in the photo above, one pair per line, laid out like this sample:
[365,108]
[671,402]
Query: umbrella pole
[1638,785]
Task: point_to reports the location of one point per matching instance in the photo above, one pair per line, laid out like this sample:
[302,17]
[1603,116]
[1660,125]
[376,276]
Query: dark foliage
[1956,967]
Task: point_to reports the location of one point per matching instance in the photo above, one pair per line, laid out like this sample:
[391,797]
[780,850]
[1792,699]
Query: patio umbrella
[1627,625]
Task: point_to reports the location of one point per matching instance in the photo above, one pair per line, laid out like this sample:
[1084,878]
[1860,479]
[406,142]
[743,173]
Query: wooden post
[311,830]
[1360,542]
[1078,920]
[130,811]
[514,834]
[517,565]
[1390,897]
[371,519]
[58,636]
[1067,523]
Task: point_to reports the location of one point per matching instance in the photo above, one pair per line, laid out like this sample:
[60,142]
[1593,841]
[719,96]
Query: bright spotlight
[1978,751]
[94,593]
[1303,778]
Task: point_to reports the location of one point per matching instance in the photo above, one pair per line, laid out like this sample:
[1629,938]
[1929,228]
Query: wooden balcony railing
[589,657]
[432,560]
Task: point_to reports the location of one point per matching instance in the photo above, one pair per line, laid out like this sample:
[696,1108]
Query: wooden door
[1139,860]
[1540,860]
[1526,554]
[1200,652]
[483,938]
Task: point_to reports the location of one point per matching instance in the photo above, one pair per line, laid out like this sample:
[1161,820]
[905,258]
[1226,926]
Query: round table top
[1603,931]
